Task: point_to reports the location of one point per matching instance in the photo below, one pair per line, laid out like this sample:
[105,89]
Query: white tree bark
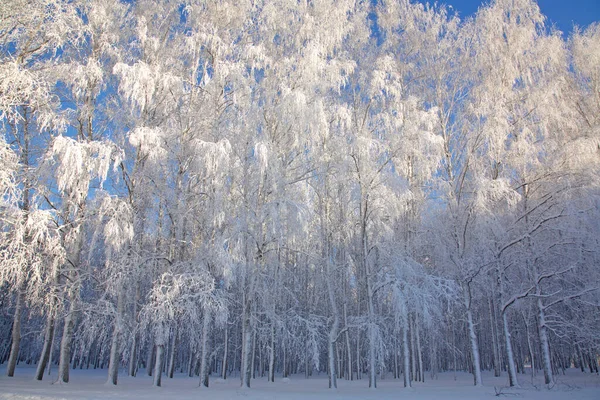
[204,351]
[114,361]
[16,334]
[271,377]
[406,350]
[246,373]
[171,369]
[544,343]
[512,371]
[225,353]
[65,344]
[158,364]
[48,340]
[473,337]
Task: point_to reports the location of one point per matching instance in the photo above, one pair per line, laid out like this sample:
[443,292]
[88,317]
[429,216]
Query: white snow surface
[90,384]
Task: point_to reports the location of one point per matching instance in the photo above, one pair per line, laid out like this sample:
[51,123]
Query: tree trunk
[246,373]
[190,366]
[333,331]
[419,351]
[348,348]
[253,359]
[158,364]
[512,372]
[65,344]
[205,350]
[358,372]
[413,352]
[113,364]
[48,340]
[16,334]
[271,377]
[133,367]
[405,349]
[495,339]
[544,342]
[132,370]
[473,339]
[171,370]
[150,358]
[225,351]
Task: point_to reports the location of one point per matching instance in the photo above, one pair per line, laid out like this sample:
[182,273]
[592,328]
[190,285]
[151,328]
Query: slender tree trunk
[473,339]
[172,351]
[358,371]
[512,372]
[372,348]
[133,362]
[48,339]
[158,364]
[113,364]
[333,331]
[413,352]
[406,350]
[190,366]
[246,372]
[16,333]
[133,367]
[205,350]
[51,349]
[348,348]
[419,351]
[150,358]
[271,377]
[253,358]
[225,351]
[67,338]
[544,342]
[495,339]
[370,313]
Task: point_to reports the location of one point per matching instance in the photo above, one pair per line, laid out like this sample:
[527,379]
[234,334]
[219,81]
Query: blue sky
[563,13]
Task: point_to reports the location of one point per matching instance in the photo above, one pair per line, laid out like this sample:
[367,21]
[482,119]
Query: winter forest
[238,189]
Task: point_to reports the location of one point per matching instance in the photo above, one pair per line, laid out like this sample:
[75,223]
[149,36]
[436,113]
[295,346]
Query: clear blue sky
[563,13]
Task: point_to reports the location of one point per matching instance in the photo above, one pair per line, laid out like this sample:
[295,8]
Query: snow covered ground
[90,384]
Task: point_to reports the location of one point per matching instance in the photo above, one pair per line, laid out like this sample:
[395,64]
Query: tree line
[367,189]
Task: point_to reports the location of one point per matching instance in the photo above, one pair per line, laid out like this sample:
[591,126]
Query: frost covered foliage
[184,298]
[76,165]
[362,189]
[8,178]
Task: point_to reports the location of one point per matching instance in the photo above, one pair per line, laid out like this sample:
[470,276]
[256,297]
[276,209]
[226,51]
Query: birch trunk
[348,348]
[271,377]
[205,350]
[150,358]
[171,370]
[134,350]
[113,364]
[16,334]
[225,351]
[333,331]
[512,371]
[495,339]
[473,338]
[544,342]
[158,364]
[419,351]
[65,344]
[48,340]
[253,357]
[406,351]
[413,358]
[245,372]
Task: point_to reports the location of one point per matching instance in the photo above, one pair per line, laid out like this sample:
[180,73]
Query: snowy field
[89,384]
